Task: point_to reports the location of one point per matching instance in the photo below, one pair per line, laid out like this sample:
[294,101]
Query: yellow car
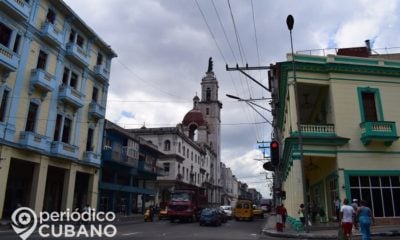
[258,212]
[163,214]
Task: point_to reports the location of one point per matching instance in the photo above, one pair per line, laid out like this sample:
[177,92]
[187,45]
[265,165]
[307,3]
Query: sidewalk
[318,232]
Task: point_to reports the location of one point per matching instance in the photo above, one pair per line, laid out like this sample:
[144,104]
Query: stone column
[93,188]
[38,185]
[69,188]
[4,171]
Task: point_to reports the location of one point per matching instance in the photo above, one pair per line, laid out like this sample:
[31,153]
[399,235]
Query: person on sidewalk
[284,215]
[302,215]
[365,220]
[346,216]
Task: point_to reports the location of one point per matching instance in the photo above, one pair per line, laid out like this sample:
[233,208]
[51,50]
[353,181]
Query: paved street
[166,230]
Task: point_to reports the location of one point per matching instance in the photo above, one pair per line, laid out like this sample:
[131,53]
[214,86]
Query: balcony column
[130,195]
[19,84]
[78,122]
[69,188]
[100,127]
[292,108]
[77,130]
[114,194]
[52,115]
[34,11]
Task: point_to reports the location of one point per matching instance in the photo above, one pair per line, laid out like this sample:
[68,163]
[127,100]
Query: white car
[227,210]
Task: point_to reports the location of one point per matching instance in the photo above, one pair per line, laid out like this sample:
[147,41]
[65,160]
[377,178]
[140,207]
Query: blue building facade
[128,171]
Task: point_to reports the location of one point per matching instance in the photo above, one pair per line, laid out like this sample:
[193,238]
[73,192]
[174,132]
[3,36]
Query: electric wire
[255,37]
[223,29]
[241,52]
[243,58]
[154,86]
[211,33]
[234,56]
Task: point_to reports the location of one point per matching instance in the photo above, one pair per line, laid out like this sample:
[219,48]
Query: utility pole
[243,69]
[263,145]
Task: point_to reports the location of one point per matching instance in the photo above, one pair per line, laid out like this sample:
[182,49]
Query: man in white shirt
[346,215]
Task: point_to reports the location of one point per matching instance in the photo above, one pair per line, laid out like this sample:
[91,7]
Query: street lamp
[290,23]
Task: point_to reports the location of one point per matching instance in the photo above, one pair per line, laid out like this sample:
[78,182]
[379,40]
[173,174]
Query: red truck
[186,204]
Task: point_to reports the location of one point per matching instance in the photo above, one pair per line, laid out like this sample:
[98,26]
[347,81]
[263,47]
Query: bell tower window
[208,94]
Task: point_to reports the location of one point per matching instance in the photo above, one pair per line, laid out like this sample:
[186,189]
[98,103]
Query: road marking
[128,234]
[253,234]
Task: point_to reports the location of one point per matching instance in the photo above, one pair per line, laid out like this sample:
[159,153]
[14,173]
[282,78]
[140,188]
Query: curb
[298,235]
[273,233]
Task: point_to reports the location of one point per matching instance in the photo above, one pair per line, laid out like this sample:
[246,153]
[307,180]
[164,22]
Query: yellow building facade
[54,80]
[348,117]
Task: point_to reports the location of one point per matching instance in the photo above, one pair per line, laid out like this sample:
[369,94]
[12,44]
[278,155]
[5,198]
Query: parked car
[228,210]
[210,216]
[163,214]
[222,215]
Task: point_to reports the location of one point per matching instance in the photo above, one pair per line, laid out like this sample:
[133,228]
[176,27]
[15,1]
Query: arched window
[193,131]
[167,145]
[208,94]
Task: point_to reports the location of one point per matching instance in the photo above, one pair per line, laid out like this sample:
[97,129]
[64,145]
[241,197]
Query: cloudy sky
[163,48]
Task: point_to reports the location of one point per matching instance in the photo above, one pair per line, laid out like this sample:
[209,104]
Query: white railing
[317,128]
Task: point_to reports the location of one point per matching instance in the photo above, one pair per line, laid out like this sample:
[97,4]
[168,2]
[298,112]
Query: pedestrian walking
[302,215]
[346,216]
[365,220]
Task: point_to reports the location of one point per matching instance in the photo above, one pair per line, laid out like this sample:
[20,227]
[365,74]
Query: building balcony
[19,9]
[102,73]
[77,54]
[380,131]
[7,131]
[34,140]
[96,110]
[119,157]
[91,158]
[71,96]
[43,80]
[326,130]
[146,167]
[52,34]
[64,149]
[8,59]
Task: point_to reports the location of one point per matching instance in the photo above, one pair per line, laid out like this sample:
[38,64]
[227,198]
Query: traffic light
[283,195]
[274,148]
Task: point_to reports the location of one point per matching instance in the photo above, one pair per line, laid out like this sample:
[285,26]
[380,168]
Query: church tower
[211,107]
